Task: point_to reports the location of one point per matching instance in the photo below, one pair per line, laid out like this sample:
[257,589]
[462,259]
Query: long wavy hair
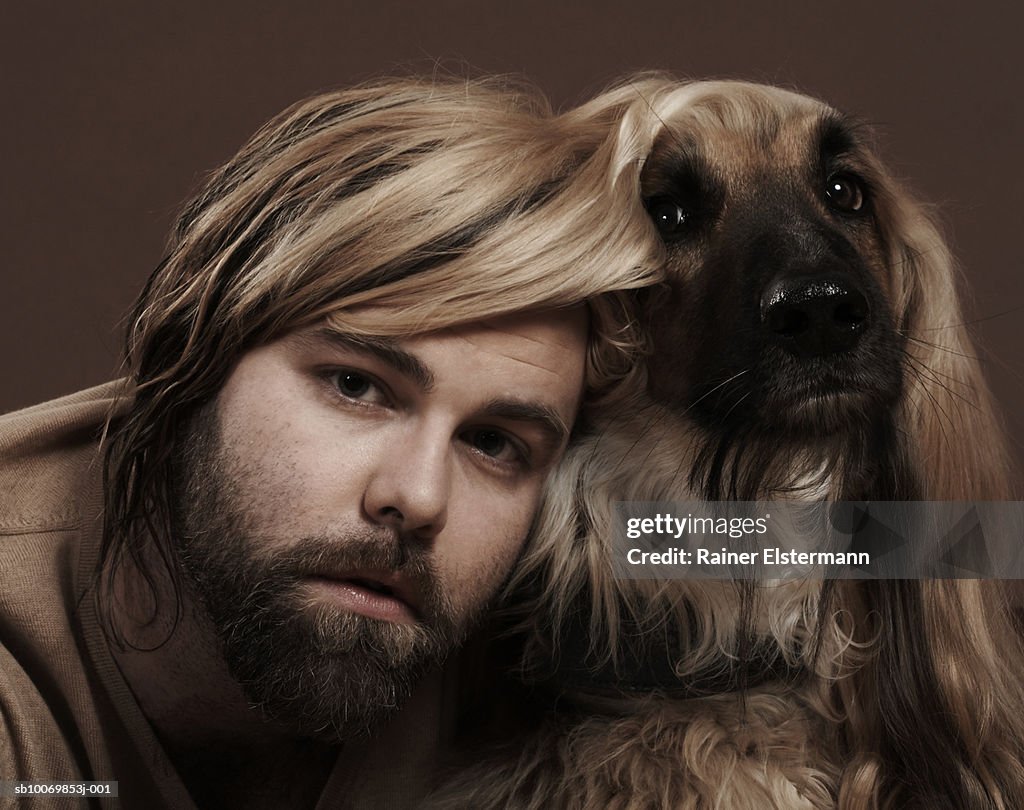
[396,208]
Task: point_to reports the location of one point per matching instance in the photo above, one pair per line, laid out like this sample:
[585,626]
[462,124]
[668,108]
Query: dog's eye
[844,192]
[669,216]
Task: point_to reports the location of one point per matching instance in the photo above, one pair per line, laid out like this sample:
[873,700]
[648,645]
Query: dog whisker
[720,385]
[937,347]
[735,405]
[928,373]
[983,319]
[946,418]
[910,358]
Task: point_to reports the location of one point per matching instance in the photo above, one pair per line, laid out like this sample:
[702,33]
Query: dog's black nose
[811,316]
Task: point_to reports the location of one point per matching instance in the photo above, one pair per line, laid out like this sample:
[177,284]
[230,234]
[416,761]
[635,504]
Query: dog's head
[807,342]
[809,335]
[777,318]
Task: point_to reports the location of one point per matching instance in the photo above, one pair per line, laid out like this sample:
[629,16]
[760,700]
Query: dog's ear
[943,671]
[956,441]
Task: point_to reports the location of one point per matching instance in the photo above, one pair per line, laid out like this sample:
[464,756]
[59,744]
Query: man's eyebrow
[546,417]
[387,351]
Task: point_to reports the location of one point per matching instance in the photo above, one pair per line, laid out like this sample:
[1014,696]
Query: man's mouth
[371,584]
[378,596]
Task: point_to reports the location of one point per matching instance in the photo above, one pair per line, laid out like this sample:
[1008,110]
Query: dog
[807,343]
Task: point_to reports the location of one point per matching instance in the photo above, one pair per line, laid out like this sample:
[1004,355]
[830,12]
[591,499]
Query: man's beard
[313,669]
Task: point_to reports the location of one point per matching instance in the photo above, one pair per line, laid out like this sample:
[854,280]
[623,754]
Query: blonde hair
[396,208]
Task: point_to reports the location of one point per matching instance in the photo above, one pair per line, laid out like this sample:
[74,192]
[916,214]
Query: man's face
[346,509]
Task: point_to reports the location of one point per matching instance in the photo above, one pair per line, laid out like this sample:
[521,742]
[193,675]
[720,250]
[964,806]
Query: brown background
[112,113]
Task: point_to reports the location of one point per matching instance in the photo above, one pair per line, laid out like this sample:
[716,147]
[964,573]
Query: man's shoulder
[52,726]
[49,455]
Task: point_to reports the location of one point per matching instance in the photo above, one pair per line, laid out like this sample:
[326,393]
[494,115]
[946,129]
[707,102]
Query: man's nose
[409,487]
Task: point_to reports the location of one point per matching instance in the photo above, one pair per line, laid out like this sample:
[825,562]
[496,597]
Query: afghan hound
[807,343]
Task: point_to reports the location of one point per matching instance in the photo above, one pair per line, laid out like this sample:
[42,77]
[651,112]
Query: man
[348,381]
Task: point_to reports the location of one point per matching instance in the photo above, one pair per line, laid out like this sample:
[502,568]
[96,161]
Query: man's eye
[357,386]
[495,444]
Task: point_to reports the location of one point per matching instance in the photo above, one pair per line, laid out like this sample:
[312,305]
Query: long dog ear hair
[953,434]
[937,715]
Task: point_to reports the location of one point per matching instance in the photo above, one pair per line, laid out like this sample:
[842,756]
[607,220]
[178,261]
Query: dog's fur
[892,694]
